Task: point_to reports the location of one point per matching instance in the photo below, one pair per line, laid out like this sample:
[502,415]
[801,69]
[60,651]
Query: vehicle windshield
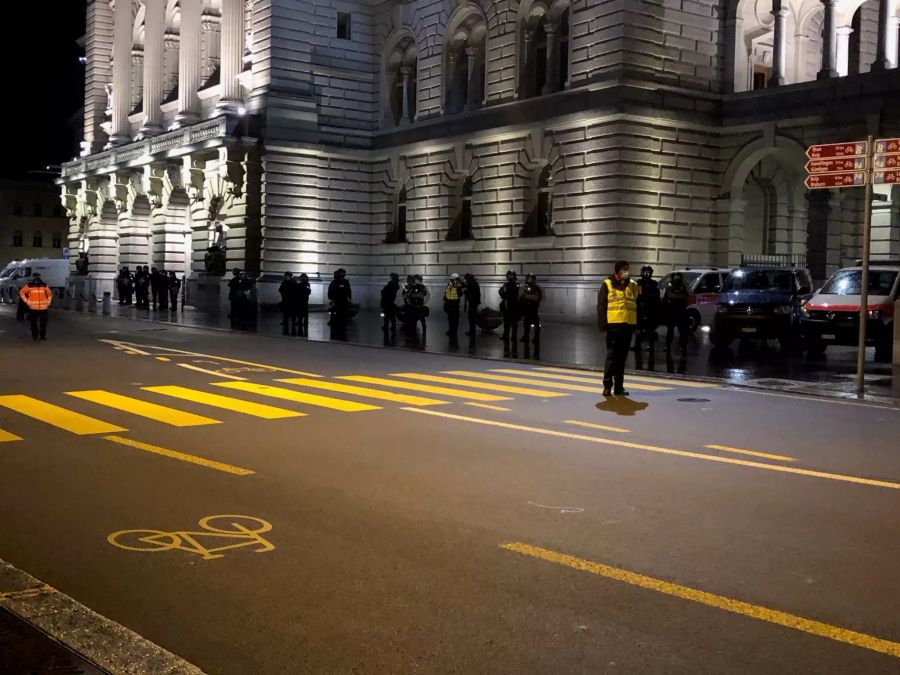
[688,277]
[760,280]
[849,282]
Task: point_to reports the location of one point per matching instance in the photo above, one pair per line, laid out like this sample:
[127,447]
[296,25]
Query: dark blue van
[761,303]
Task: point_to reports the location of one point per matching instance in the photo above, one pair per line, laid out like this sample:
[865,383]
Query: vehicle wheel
[816,346]
[693,320]
[720,340]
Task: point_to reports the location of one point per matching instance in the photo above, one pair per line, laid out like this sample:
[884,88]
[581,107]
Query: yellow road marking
[506,389]
[297,396]
[664,451]
[602,427]
[747,609]
[163,358]
[585,380]
[754,453]
[212,372]
[556,385]
[6,437]
[488,407]
[181,456]
[159,413]
[365,392]
[266,412]
[673,382]
[62,418]
[425,388]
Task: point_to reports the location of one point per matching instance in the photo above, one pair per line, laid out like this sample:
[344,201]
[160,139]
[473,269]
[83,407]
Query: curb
[104,643]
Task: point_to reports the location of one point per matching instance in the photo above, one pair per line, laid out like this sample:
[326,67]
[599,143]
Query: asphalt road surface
[260,505]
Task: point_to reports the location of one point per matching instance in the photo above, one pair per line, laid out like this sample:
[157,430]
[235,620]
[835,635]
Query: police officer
[415,297]
[389,308]
[473,299]
[300,313]
[509,305]
[675,304]
[617,317]
[340,295]
[142,287]
[155,287]
[234,287]
[531,297]
[124,286]
[174,284]
[37,296]
[647,308]
[286,291]
[452,297]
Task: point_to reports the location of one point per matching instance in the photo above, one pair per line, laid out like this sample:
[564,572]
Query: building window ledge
[544,241]
[461,245]
[396,247]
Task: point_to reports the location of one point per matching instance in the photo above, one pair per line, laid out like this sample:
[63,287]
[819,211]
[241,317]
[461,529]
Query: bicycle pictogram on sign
[231,532]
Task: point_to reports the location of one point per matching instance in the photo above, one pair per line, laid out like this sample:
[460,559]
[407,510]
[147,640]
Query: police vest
[36,297]
[621,304]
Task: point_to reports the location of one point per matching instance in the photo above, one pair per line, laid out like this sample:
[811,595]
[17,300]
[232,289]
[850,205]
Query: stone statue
[81,265]
[214,260]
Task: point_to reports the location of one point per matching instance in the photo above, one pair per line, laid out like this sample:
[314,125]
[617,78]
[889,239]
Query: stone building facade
[32,222]
[439,136]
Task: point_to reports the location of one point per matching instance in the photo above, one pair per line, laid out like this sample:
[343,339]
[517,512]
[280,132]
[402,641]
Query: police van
[53,271]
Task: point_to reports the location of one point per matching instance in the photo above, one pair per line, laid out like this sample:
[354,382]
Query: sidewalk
[581,345]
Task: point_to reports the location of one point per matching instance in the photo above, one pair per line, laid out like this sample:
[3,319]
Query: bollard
[92,303]
[107,303]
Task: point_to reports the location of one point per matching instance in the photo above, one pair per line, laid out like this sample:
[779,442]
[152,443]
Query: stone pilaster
[121,91]
[232,54]
[98,54]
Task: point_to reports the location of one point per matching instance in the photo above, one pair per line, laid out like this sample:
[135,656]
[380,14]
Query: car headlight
[874,313]
[804,312]
[783,309]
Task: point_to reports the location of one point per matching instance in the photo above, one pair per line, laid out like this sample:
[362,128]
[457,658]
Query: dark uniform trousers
[618,343]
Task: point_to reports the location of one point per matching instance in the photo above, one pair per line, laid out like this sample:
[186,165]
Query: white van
[53,271]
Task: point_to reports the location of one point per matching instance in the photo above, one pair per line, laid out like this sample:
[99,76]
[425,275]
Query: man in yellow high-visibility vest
[617,317]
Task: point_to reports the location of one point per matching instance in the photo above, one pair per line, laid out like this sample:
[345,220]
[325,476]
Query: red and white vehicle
[831,316]
[704,285]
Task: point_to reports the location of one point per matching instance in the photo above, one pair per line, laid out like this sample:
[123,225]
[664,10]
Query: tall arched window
[544,65]
[400,81]
[462,225]
[397,233]
[540,221]
[464,61]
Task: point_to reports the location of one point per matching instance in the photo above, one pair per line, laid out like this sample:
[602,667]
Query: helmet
[304,277]
[530,277]
[647,270]
[410,279]
[454,276]
[395,276]
[418,278]
[511,275]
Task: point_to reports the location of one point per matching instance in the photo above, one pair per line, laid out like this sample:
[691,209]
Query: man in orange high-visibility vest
[37,295]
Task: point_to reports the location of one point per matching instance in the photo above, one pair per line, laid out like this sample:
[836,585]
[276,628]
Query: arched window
[540,221]
[400,81]
[56,241]
[545,50]
[397,233]
[17,240]
[464,62]
[37,239]
[462,225]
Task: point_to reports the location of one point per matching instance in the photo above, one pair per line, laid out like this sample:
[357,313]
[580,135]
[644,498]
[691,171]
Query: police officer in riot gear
[647,308]
[530,299]
[509,305]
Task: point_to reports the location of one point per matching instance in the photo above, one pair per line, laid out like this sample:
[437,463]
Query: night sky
[44,84]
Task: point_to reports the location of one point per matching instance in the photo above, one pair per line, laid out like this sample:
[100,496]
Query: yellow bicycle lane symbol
[237,531]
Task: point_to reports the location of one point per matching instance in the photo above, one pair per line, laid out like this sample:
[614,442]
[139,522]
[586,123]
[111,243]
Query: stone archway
[171,234]
[103,246]
[134,234]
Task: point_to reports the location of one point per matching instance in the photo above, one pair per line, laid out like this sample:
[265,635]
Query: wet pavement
[754,364]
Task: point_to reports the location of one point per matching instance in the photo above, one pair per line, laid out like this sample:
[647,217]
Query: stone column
[154,66]
[121,91]
[778,44]
[137,78]
[892,44]
[473,94]
[452,58]
[842,50]
[551,80]
[232,54]
[828,42]
[800,44]
[524,84]
[98,44]
[189,64]
[405,114]
[882,61]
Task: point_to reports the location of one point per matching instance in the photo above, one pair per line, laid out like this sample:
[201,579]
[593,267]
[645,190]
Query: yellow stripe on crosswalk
[365,392]
[56,416]
[424,388]
[541,379]
[266,412]
[159,413]
[6,437]
[506,389]
[639,378]
[297,396]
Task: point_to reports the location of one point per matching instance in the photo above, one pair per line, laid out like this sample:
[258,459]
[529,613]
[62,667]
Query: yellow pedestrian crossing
[159,413]
[56,416]
[364,392]
[522,391]
[544,382]
[6,437]
[297,396]
[266,412]
[424,388]
[696,384]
